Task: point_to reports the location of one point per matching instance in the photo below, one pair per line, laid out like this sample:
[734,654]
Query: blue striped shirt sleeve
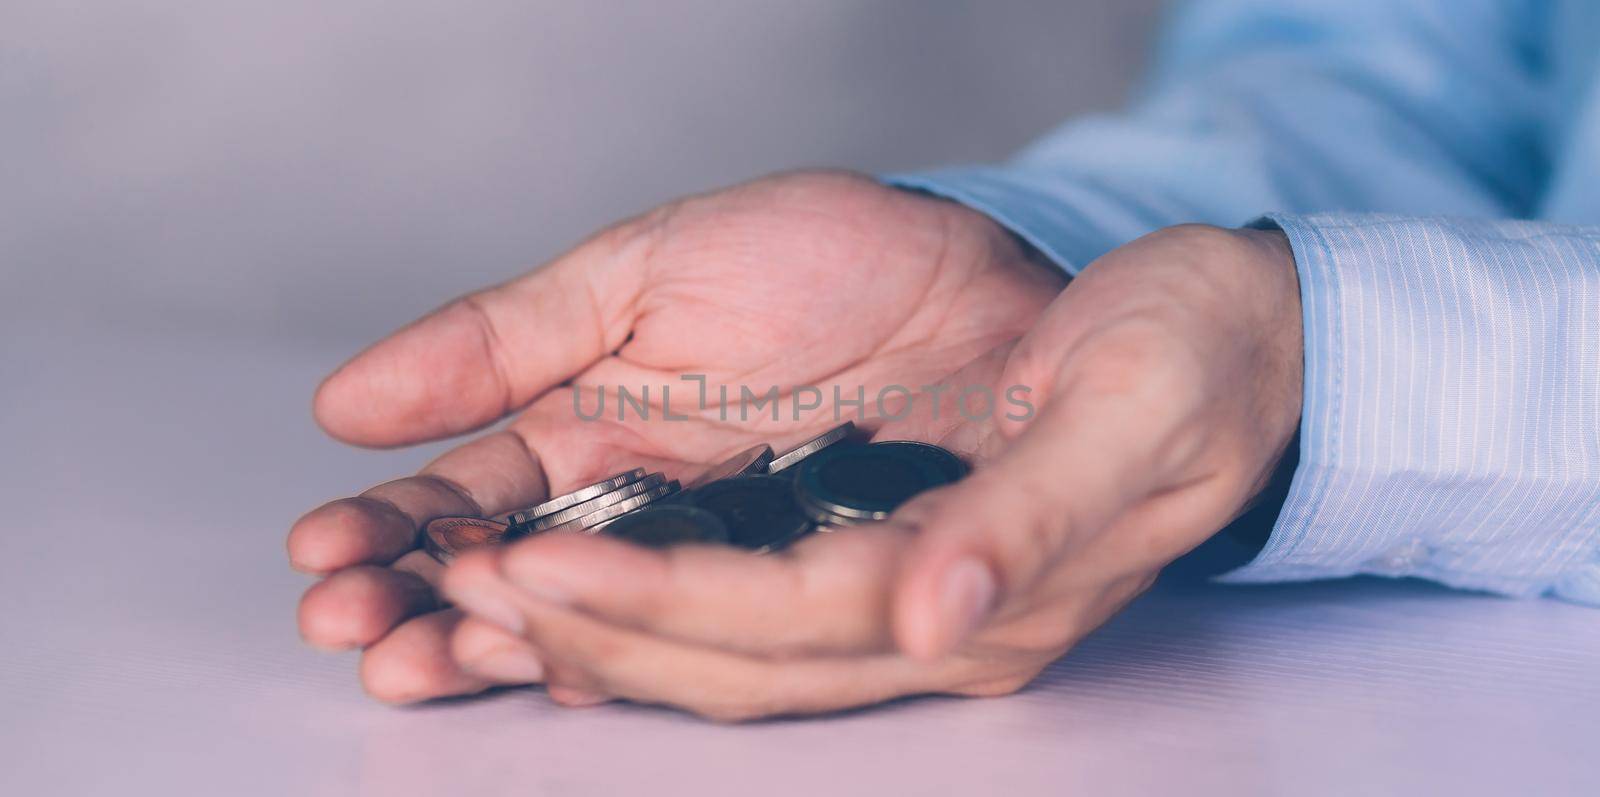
[1427,107]
[1452,411]
[1451,428]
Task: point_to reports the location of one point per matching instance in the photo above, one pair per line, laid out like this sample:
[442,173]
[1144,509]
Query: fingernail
[511,664]
[490,607]
[967,596]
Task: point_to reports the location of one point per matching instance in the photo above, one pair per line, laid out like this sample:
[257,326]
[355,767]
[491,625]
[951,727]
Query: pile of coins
[754,500]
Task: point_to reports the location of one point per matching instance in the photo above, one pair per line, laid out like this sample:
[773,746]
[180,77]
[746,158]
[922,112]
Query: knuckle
[449,491]
[491,340]
[1183,447]
[1199,260]
[1200,238]
[1142,359]
[1205,248]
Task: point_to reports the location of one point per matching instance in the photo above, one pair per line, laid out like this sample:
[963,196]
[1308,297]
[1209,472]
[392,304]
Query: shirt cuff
[1432,440]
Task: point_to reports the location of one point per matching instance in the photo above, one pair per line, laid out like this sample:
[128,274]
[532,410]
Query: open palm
[807,279]
[1166,381]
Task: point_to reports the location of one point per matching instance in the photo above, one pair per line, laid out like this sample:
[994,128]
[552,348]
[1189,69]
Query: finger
[494,654]
[493,474]
[414,663]
[473,583]
[488,353]
[1068,475]
[355,607]
[422,565]
[584,655]
[605,662]
[576,698]
[828,595]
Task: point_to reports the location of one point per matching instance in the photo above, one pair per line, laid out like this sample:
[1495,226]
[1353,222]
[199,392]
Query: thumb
[990,538]
[488,353]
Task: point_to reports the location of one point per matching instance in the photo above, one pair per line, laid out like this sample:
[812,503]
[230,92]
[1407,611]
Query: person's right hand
[803,279]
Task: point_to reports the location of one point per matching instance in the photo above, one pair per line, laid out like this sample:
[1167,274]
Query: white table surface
[149,645]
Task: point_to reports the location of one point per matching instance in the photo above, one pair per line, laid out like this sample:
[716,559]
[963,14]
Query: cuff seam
[1320,409]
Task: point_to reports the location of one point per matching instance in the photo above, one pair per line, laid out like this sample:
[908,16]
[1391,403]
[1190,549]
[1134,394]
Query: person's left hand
[1167,383]
[817,279]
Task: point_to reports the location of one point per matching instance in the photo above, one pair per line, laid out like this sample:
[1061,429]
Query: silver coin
[576,511]
[826,519]
[941,458]
[445,537]
[663,526]
[868,482]
[759,512]
[599,518]
[812,446]
[579,495]
[748,462]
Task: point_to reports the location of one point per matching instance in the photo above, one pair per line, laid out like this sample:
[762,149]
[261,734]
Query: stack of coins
[753,500]
[594,506]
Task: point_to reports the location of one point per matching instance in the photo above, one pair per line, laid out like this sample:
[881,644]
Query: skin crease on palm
[1166,381]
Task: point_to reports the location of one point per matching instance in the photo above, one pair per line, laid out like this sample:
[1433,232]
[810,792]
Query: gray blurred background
[206,205]
[328,170]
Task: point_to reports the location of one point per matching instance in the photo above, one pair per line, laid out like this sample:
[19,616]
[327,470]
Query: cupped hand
[817,279]
[1166,381]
